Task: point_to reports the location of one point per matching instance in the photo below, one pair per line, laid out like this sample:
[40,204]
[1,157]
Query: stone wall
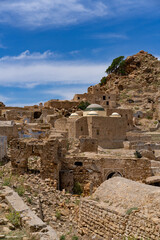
[107,224]
[3,147]
[106,100]
[110,132]
[97,168]
[10,131]
[49,152]
[126,113]
[60,104]
[120,208]
[88,144]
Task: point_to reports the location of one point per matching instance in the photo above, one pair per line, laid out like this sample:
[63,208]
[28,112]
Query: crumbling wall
[121,208]
[97,168]
[50,152]
[60,104]
[107,223]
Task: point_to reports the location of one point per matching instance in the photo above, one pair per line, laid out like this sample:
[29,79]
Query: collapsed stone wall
[120,208]
[107,224]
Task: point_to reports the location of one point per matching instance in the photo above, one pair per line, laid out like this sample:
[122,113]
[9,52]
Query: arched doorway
[113,174]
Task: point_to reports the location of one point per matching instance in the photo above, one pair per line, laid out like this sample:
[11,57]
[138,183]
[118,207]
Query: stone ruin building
[95,95]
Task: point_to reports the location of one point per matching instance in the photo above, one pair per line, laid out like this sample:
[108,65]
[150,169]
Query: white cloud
[37,13]
[110,36]
[29,70]
[26,55]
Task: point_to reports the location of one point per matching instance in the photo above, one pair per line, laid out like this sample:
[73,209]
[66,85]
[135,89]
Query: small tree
[103,81]
[117,64]
[83,105]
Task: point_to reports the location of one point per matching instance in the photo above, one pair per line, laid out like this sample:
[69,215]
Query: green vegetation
[7,181]
[58,215]
[29,200]
[103,81]
[117,65]
[83,105]
[149,115]
[129,211]
[20,190]
[63,237]
[14,218]
[74,238]
[77,189]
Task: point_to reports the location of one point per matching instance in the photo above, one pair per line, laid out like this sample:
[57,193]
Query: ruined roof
[94,107]
[123,194]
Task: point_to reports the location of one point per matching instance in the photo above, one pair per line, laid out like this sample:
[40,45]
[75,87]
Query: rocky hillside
[139,87]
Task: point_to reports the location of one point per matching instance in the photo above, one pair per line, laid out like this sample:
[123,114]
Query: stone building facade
[95,95]
[110,132]
[96,168]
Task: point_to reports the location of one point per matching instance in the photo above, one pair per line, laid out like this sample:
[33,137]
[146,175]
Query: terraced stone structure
[119,208]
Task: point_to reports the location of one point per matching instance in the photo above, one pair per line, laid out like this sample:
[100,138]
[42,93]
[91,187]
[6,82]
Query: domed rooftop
[94,107]
[73,115]
[92,113]
[115,114]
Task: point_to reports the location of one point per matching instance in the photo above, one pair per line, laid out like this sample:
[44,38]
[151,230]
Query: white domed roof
[94,107]
[73,115]
[93,113]
[115,114]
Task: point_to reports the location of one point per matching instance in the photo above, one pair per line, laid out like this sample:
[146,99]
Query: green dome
[94,107]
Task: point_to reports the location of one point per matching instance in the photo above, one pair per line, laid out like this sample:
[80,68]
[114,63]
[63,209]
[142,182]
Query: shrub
[103,81]
[29,200]
[63,237]
[74,238]
[77,189]
[20,190]
[14,218]
[83,105]
[58,214]
[7,181]
[129,211]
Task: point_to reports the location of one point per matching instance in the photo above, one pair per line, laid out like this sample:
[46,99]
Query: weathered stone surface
[28,218]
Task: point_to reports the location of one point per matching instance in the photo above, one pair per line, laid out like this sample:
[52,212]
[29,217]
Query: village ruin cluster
[106,151]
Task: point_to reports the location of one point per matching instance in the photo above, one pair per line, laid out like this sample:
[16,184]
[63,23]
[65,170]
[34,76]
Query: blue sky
[51,49]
